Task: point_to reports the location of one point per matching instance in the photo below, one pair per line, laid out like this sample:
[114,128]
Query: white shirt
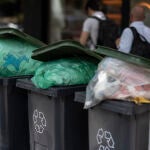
[127,36]
[91,25]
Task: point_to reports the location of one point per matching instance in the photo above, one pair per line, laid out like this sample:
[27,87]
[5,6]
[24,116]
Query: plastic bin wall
[14,132]
[119,126]
[56,122]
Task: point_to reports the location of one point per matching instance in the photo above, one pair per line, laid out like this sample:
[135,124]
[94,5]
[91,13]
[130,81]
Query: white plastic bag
[116,79]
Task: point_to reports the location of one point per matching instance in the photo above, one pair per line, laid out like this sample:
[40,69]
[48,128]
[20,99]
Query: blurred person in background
[137,17]
[89,32]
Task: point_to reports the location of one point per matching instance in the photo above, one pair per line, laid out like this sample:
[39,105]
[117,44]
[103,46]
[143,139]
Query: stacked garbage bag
[65,63]
[117,79]
[16,61]
[64,72]
[15,53]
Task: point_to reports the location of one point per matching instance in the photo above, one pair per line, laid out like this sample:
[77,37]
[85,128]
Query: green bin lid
[63,49]
[11,32]
[138,60]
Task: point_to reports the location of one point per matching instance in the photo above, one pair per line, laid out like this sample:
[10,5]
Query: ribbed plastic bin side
[119,125]
[14,131]
[56,122]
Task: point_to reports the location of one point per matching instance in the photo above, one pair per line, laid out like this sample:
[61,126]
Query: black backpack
[108,32]
[140,45]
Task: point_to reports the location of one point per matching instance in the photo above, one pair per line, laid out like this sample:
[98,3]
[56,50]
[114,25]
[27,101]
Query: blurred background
[53,20]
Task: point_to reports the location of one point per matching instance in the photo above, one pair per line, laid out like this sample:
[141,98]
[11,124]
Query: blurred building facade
[53,20]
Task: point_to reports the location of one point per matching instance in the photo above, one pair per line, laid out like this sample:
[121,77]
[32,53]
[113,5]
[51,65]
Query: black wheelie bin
[120,124]
[14,132]
[56,121]
[117,125]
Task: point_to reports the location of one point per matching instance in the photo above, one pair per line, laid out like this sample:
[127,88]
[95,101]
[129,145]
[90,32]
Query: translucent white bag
[116,79]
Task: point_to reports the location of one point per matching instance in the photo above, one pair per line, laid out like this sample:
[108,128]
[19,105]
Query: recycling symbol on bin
[39,121]
[105,140]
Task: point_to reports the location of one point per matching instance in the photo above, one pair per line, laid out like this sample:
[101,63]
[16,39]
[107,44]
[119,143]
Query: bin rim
[55,91]
[12,80]
[16,77]
[61,49]
[22,35]
[122,107]
[130,58]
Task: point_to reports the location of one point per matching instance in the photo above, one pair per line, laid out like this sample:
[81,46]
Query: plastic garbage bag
[65,71]
[15,58]
[116,79]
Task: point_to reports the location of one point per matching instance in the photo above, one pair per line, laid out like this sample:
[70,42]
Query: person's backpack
[108,32]
[140,45]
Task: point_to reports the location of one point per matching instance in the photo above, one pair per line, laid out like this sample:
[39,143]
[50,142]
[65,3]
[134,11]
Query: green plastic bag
[15,57]
[67,71]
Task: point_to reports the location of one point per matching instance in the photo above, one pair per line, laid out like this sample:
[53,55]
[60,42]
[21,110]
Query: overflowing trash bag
[15,57]
[116,79]
[64,71]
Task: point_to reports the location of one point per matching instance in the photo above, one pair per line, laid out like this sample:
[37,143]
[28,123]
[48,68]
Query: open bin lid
[56,91]
[11,32]
[63,49]
[138,60]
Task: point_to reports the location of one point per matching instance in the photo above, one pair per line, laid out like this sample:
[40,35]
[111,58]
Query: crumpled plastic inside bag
[116,79]
[65,71]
